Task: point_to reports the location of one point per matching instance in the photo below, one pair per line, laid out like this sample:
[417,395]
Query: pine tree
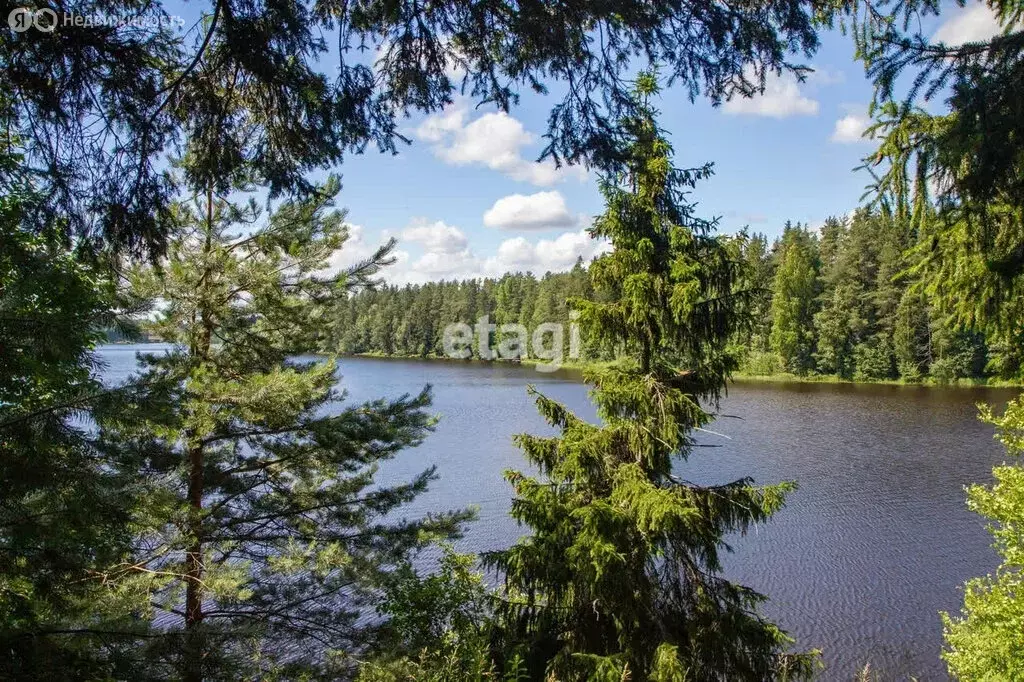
[264,534]
[619,577]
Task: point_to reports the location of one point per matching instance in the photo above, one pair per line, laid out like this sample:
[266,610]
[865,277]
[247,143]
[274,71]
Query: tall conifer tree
[265,533]
[620,576]
[67,495]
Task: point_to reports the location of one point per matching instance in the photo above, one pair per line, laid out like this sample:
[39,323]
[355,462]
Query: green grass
[788,378]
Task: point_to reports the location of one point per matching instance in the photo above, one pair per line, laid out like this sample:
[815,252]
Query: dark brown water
[872,546]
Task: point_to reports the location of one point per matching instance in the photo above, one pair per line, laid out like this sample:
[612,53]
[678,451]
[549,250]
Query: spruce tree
[65,510]
[759,272]
[264,533]
[912,336]
[839,328]
[620,575]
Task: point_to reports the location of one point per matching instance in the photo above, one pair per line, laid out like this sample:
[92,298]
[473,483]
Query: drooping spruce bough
[321,79]
[620,575]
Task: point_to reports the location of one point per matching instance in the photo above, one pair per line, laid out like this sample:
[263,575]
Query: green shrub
[986,642]
[762,363]
[874,361]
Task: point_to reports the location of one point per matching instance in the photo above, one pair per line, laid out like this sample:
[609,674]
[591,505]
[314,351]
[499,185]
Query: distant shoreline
[738,377]
[832,379]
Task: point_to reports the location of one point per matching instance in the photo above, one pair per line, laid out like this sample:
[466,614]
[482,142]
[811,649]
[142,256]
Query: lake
[875,542]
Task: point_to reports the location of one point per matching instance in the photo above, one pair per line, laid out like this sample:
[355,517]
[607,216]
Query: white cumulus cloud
[540,211]
[436,237]
[969,25]
[850,129]
[554,255]
[781,98]
[446,254]
[494,140]
[436,127]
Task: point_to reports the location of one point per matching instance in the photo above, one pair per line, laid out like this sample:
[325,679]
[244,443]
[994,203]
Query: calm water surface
[872,546]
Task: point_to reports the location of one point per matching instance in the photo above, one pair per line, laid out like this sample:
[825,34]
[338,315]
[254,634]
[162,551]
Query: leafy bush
[438,627]
[874,360]
[762,363]
[986,642]
[909,371]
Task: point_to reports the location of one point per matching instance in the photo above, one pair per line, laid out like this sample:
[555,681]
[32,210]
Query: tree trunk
[194,571]
[194,644]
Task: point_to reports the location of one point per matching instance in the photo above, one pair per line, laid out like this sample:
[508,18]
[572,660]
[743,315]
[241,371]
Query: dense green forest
[847,300]
[410,320]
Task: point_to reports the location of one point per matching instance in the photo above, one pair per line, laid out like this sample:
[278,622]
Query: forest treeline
[846,300]
[410,320]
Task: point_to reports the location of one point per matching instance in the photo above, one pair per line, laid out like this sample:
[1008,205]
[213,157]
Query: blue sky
[467,199]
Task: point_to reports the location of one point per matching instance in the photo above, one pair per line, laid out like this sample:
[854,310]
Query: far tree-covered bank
[847,301]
